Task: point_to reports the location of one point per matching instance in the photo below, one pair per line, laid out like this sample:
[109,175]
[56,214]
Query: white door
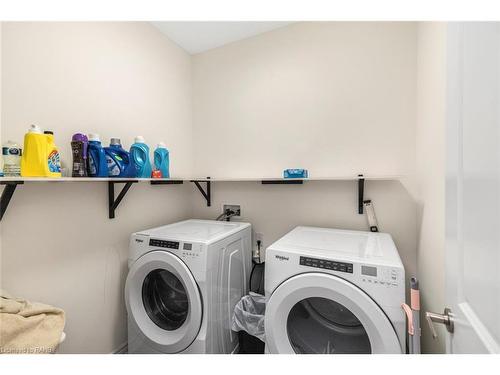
[163,301]
[473,188]
[317,313]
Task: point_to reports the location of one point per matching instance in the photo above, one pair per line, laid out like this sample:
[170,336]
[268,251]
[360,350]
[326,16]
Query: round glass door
[321,313]
[165,299]
[318,325]
[163,302]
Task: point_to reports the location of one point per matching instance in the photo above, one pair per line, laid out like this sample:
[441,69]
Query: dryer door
[163,301]
[321,313]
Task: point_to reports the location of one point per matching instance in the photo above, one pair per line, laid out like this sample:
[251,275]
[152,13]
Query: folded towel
[29,327]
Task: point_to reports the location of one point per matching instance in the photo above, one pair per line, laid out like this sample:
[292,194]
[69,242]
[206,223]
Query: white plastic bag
[249,315]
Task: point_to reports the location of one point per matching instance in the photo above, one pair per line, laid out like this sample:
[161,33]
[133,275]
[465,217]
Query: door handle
[444,318]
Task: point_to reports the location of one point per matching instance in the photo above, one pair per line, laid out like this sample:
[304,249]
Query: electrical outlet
[233,207]
[258,248]
[259,237]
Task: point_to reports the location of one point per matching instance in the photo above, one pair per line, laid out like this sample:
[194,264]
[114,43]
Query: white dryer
[183,283]
[334,291]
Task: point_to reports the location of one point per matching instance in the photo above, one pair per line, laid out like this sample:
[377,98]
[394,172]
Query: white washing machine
[334,291]
[183,283]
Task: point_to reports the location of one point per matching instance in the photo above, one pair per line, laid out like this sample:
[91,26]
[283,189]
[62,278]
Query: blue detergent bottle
[118,160]
[162,160]
[97,163]
[139,156]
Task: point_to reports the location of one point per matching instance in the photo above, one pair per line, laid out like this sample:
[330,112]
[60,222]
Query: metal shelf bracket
[361,193]
[167,182]
[114,203]
[207,194]
[7,193]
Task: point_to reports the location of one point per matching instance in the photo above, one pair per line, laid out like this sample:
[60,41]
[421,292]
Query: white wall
[334,97]
[117,79]
[430,162]
[274,210]
[337,98]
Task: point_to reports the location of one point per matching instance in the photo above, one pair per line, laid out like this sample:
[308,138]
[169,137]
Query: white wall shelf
[324,178]
[5,180]
[11,184]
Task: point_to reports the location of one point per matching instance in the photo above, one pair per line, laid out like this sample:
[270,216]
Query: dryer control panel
[186,249]
[164,244]
[379,275]
[326,264]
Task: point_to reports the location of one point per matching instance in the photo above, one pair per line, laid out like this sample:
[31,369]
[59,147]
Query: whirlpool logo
[281,257]
[138,240]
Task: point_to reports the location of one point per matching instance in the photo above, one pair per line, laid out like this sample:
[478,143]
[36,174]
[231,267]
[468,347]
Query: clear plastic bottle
[11,157]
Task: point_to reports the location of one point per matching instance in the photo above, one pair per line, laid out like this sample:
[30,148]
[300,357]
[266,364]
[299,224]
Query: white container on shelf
[11,158]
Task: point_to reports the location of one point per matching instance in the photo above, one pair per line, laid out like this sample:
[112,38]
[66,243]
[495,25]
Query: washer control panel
[165,244]
[326,264]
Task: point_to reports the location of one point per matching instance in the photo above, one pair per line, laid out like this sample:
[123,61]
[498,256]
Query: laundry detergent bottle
[118,160]
[162,160]
[139,155]
[97,163]
[34,157]
[53,157]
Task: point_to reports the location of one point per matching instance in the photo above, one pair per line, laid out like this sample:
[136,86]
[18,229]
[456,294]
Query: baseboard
[123,349]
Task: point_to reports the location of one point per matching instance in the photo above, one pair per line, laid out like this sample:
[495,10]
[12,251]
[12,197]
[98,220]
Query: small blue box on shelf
[295,173]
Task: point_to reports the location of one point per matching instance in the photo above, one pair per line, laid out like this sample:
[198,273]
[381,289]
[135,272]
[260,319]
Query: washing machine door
[322,313]
[163,301]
